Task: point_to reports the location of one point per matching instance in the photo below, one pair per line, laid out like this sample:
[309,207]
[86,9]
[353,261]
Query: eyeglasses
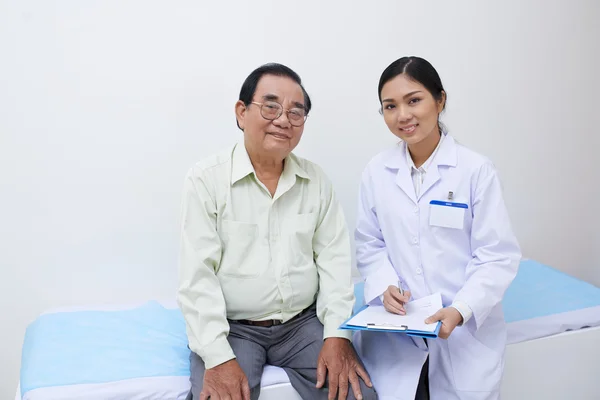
[272,110]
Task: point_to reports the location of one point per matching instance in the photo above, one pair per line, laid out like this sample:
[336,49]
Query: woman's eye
[414,100]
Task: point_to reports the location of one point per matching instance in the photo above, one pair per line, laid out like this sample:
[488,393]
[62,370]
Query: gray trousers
[293,346]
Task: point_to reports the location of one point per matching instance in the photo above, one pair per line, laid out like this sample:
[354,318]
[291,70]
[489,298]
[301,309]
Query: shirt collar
[242,166]
[240,163]
[427,163]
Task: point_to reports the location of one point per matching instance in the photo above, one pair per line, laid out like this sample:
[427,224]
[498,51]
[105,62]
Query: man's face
[277,137]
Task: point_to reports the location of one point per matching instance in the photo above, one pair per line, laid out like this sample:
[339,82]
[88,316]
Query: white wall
[104,106]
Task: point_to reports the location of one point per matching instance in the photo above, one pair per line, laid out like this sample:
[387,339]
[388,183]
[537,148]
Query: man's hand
[450,318]
[226,381]
[393,301]
[339,360]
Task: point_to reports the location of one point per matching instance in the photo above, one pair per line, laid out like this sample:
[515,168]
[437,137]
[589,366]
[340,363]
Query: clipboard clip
[388,326]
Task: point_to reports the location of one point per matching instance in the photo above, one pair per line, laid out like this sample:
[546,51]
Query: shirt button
[419,270]
[415,240]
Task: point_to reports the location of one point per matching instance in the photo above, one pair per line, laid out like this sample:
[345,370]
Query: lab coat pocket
[237,259]
[450,225]
[301,230]
[447,214]
[476,367]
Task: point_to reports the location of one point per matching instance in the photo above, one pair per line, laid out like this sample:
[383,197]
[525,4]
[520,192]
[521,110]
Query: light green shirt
[248,255]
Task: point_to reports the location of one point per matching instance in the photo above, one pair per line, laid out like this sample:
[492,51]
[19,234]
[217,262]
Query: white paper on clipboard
[416,313]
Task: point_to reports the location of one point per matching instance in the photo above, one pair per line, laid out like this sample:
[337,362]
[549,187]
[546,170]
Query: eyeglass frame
[281,111]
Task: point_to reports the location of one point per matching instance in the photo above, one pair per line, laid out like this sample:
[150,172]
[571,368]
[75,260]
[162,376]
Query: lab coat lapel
[431,178]
[404,181]
[397,161]
[445,157]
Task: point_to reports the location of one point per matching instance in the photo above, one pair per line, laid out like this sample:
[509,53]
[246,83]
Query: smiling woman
[431,216]
[412,98]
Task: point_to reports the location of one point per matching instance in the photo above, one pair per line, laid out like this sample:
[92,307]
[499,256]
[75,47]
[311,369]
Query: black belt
[272,322]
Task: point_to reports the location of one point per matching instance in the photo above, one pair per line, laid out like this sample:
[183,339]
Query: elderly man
[265,258]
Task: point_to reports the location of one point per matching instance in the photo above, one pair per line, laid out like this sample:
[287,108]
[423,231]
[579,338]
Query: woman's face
[410,110]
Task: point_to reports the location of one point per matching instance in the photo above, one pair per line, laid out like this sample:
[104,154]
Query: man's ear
[240,113]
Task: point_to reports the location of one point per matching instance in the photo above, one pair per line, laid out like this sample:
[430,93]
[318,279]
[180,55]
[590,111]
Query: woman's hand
[394,301]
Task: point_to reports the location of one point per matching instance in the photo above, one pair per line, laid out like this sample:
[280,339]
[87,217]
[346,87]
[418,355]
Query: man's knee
[254,394]
[367,392]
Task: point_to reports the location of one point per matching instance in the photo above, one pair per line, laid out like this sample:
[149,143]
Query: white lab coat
[474,265]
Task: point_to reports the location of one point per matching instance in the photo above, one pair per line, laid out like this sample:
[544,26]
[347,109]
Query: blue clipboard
[391,328]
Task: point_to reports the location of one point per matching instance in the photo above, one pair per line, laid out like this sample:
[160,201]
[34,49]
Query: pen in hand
[394,299]
[401,290]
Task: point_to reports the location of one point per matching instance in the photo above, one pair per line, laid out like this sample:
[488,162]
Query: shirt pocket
[301,230]
[238,257]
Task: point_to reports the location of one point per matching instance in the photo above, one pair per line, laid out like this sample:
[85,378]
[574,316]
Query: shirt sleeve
[199,295]
[464,310]
[332,254]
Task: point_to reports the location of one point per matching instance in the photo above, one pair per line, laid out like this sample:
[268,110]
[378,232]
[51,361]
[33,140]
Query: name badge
[447,214]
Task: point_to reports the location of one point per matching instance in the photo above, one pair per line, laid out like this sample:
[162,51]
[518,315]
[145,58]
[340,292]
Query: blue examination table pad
[79,347]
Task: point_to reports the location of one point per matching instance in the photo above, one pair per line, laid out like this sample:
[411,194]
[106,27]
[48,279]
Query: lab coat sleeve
[372,259]
[199,296]
[495,251]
